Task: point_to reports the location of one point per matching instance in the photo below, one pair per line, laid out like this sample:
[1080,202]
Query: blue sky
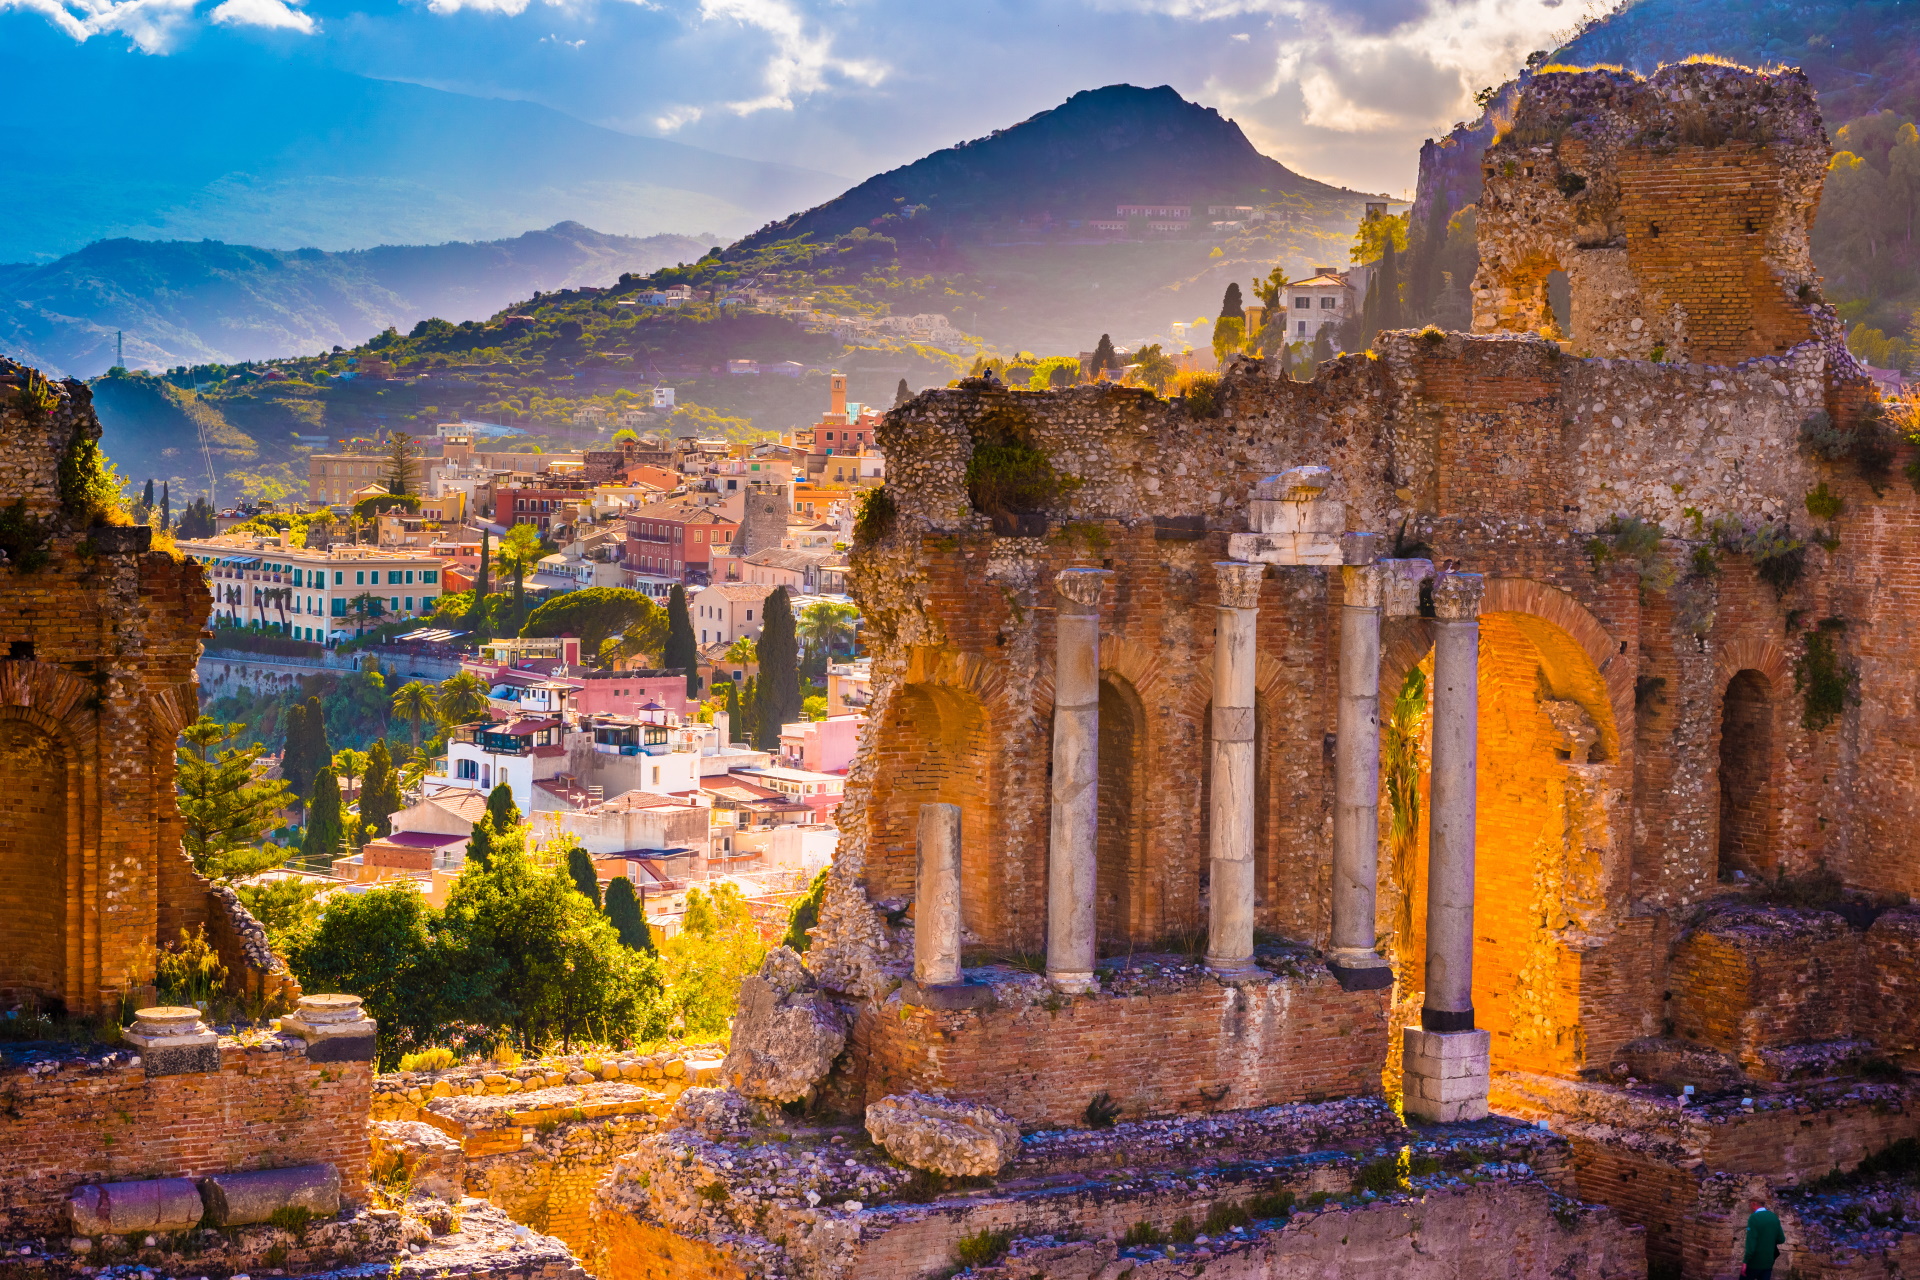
[1342,91]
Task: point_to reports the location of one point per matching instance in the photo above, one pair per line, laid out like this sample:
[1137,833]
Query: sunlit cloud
[271,14]
[802,61]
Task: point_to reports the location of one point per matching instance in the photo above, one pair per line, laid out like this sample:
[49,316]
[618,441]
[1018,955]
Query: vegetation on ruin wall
[1826,682]
[1007,474]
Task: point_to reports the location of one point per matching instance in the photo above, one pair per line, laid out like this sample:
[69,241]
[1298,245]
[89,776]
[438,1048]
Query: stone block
[786,1034]
[1286,548]
[334,1028]
[173,1041]
[123,1208]
[237,1199]
[1445,1074]
[937,1134]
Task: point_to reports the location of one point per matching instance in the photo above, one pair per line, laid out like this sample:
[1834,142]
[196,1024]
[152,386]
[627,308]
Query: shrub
[1183,1231]
[714,1192]
[1823,503]
[438,1058]
[1631,539]
[1867,444]
[1382,1175]
[806,913]
[1275,1203]
[1102,1111]
[874,517]
[189,970]
[1007,473]
[1142,1235]
[981,1249]
[1223,1216]
[1202,392]
[1825,683]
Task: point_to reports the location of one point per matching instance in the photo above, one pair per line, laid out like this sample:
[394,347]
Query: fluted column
[1231,803]
[1074,834]
[936,897]
[1356,769]
[1446,1061]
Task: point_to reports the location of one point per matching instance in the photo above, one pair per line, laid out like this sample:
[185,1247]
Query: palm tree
[349,764]
[519,554]
[823,622]
[463,699]
[415,700]
[743,651]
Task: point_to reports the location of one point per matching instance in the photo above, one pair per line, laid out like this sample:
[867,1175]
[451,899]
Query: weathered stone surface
[429,1160]
[786,1034]
[236,1199]
[959,1139]
[715,1114]
[119,1208]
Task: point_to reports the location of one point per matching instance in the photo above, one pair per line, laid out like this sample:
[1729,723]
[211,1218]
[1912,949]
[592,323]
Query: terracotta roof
[741,590]
[526,728]
[467,804]
[628,801]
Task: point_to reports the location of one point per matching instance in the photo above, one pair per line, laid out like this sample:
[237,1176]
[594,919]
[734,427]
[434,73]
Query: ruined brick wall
[1190,1046]
[97,650]
[66,1122]
[1744,982]
[1678,207]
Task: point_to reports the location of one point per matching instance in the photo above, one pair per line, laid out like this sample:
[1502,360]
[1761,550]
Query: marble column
[936,897]
[1356,769]
[1231,803]
[1074,834]
[1446,1057]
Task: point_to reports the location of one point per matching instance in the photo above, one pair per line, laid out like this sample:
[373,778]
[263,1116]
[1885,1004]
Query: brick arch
[1537,599]
[1750,654]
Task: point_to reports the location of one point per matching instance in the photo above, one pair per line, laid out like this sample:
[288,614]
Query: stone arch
[1123,826]
[1746,764]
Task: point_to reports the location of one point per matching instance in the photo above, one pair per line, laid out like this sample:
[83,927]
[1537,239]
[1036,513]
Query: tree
[414,701]
[402,470]
[717,946]
[778,695]
[1103,358]
[480,846]
[462,699]
[166,506]
[1230,305]
[197,520]
[348,765]
[294,767]
[733,709]
[585,878]
[501,809]
[143,508]
[226,806]
[743,730]
[1229,335]
[824,622]
[595,614]
[378,945]
[1154,366]
[901,394]
[682,651]
[380,797]
[805,913]
[324,833]
[744,651]
[318,752]
[520,553]
[477,621]
[626,911]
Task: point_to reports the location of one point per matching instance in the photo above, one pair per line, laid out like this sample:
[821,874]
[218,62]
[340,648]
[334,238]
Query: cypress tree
[1386,282]
[749,702]
[477,616]
[901,394]
[777,699]
[501,808]
[1230,304]
[324,833]
[585,878]
[682,651]
[318,751]
[733,710]
[1423,273]
[627,913]
[1103,357]
[379,789]
[166,507]
[294,770]
[146,497]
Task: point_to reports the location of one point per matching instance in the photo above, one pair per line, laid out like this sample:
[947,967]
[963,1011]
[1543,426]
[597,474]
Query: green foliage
[875,513]
[594,614]
[777,692]
[1142,1235]
[90,489]
[1826,683]
[626,912]
[188,970]
[284,908]
[462,699]
[226,806]
[1006,473]
[380,793]
[682,650]
[324,832]
[24,539]
[381,504]
[826,625]
[1402,760]
[1778,557]
[718,945]
[35,398]
[1277,1202]
[1201,391]
[1631,539]
[1383,1175]
[805,913]
[438,1058]
[402,473]
[1823,503]
[1867,445]
[518,555]
[1223,1216]
[585,878]
[1101,1111]
[981,1249]
[294,1218]
[501,809]
[1182,1231]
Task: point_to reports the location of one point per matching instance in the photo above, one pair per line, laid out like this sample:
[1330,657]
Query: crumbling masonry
[1130,755]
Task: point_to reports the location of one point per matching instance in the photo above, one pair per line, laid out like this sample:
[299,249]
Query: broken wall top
[1679,207]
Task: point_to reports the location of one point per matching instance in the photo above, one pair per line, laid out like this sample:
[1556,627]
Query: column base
[1073,984]
[1234,968]
[1357,970]
[1445,1075]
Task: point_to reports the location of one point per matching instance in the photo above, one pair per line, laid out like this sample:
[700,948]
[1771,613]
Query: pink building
[821,746]
[628,693]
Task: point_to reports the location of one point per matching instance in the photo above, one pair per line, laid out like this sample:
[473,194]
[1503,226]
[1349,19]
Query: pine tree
[585,878]
[226,808]
[682,650]
[295,769]
[1230,304]
[901,394]
[627,913]
[501,808]
[777,699]
[380,789]
[324,831]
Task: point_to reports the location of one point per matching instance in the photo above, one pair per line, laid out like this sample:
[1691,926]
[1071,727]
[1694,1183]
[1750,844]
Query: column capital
[1082,588]
[1239,583]
[1401,583]
[1456,596]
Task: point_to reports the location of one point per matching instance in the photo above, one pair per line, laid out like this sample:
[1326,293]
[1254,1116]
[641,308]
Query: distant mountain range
[204,302]
[100,145]
[1097,150]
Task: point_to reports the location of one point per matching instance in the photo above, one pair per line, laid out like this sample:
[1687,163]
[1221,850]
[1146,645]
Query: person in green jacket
[1764,1238]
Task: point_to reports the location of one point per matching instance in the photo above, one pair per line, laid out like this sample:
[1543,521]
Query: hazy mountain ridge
[183,302]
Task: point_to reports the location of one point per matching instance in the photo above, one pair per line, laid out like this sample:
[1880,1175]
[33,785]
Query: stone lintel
[1286,548]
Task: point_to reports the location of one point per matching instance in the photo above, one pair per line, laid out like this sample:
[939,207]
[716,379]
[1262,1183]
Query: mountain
[288,155]
[204,302]
[1100,148]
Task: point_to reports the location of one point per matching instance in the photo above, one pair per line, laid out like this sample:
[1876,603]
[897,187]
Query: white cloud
[152,25]
[511,8]
[674,118]
[802,60]
[275,15]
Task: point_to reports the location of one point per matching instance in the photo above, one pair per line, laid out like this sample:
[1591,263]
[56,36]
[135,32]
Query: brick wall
[102,1120]
[1747,980]
[1194,1045]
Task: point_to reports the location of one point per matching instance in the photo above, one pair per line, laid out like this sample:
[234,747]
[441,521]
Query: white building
[727,611]
[326,596]
[1327,297]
